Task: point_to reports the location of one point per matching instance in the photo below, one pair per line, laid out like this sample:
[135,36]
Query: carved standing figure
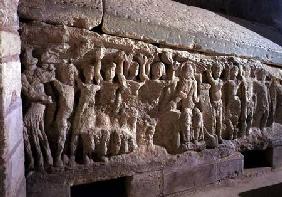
[262,103]
[188,96]
[247,101]
[85,118]
[35,138]
[233,103]
[65,86]
[213,76]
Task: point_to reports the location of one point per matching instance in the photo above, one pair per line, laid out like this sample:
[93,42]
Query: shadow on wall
[266,12]
[272,191]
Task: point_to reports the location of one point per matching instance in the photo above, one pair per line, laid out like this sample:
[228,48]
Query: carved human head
[166,57]
[217,70]
[29,61]
[234,71]
[187,71]
[120,56]
[88,73]
[158,70]
[247,71]
[261,74]
[67,73]
[133,70]
[110,71]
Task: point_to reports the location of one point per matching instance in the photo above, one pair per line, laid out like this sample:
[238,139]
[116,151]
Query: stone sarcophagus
[113,106]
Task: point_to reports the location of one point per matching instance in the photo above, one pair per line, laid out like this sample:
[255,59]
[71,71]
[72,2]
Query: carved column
[12,179]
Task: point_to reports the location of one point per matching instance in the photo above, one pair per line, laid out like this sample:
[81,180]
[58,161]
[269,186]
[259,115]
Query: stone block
[175,24]
[230,167]
[145,184]
[10,44]
[275,155]
[178,179]
[78,13]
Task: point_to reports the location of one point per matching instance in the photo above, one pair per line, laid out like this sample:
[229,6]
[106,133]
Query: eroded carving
[114,99]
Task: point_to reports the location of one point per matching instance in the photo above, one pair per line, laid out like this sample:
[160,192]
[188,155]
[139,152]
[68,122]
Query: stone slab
[145,184]
[78,13]
[175,24]
[186,177]
[275,156]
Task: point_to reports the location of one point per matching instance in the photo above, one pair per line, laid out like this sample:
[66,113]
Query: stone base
[159,175]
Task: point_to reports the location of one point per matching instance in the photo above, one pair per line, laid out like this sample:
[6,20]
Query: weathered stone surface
[10,44]
[78,13]
[15,171]
[171,23]
[276,153]
[8,15]
[145,184]
[230,167]
[187,177]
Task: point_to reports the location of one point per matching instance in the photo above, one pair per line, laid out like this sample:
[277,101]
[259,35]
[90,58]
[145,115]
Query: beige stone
[78,13]
[175,24]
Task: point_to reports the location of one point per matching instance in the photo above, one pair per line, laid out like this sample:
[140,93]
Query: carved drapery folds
[90,97]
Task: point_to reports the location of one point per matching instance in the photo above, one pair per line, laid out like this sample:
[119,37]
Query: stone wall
[12,179]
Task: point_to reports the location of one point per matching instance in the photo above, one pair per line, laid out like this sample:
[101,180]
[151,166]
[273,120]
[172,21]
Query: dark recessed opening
[256,158]
[109,188]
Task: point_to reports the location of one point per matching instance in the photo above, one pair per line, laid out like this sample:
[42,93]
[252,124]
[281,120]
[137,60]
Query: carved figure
[144,62]
[158,70]
[198,126]
[110,72]
[213,76]
[35,138]
[65,86]
[85,117]
[233,103]
[187,94]
[262,103]
[247,101]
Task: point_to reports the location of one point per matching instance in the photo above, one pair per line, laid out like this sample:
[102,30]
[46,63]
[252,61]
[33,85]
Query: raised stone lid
[175,24]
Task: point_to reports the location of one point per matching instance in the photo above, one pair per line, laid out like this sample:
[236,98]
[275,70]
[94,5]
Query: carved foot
[72,162]
[59,163]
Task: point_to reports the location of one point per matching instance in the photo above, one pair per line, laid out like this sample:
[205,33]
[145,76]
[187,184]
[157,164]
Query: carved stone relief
[101,96]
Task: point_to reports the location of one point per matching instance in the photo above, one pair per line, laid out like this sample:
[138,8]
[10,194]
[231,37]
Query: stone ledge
[153,176]
[175,24]
[79,13]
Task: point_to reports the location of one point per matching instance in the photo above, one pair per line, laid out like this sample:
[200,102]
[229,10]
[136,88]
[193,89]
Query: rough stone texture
[8,15]
[10,44]
[12,178]
[79,13]
[147,174]
[99,107]
[174,24]
[145,184]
